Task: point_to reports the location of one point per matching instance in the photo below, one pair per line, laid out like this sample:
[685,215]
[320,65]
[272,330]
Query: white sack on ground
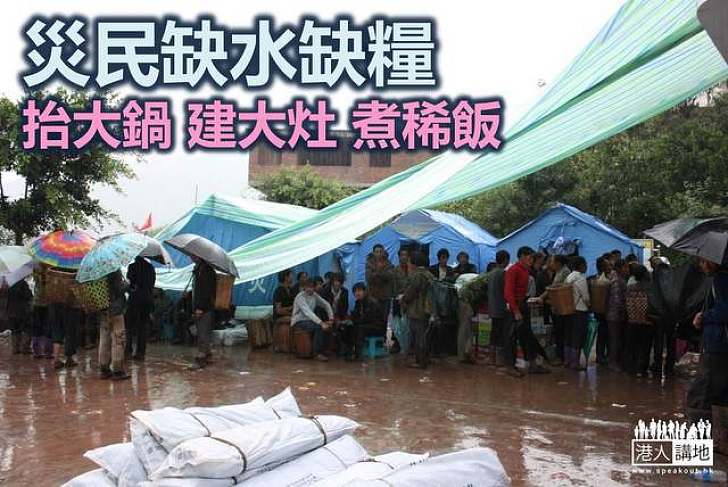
[191,482]
[284,404]
[313,466]
[120,462]
[171,426]
[236,451]
[94,478]
[155,433]
[147,448]
[207,482]
[372,468]
[476,467]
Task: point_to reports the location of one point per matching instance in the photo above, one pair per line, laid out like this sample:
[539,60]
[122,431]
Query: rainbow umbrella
[64,249]
[109,255]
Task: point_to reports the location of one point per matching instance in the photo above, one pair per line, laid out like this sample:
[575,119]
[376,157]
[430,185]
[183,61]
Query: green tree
[6,237]
[57,184]
[505,209]
[303,187]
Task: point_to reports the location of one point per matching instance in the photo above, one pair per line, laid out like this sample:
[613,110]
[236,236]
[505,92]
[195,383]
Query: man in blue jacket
[710,387]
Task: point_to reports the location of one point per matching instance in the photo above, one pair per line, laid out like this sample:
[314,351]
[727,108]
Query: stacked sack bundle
[265,444]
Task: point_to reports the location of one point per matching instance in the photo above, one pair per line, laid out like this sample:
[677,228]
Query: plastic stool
[374,347]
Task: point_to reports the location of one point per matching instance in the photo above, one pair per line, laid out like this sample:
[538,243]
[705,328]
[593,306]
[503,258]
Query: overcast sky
[489,48]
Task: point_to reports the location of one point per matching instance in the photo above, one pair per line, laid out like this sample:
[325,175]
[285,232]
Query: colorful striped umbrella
[64,249]
[110,255]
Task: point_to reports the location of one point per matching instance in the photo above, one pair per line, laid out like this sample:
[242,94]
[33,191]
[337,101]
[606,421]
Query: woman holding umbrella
[104,262]
[706,239]
[63,250]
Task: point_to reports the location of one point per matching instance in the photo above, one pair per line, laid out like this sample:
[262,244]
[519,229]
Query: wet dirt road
[565,428]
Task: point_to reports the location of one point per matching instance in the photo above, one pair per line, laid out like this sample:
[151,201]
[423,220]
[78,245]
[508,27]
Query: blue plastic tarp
[231,222]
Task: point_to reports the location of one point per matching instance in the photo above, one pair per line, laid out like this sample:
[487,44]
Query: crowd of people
[56,331]
[635,332]
[321,305]
[632,332]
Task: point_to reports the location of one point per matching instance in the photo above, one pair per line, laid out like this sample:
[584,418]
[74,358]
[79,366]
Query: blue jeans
[318,334]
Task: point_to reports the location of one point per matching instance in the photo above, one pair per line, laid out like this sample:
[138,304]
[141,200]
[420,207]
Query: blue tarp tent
[231,222]
[565,230]
[435,229]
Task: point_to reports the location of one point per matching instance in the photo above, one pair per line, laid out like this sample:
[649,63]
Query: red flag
[146,225]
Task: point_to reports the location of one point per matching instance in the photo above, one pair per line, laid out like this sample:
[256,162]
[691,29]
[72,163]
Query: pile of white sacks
[269,444]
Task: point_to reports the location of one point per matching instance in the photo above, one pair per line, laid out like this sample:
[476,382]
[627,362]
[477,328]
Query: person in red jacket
[517,326]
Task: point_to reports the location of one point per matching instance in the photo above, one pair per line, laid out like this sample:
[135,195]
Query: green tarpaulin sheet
[650,56]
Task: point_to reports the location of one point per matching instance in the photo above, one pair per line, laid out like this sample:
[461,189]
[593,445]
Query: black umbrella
[155,251]
[210,252]
[701,237]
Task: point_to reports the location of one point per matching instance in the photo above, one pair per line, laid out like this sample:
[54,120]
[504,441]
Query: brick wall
[265,161]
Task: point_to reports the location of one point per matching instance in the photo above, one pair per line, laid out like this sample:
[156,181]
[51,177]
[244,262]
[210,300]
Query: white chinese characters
[170,52]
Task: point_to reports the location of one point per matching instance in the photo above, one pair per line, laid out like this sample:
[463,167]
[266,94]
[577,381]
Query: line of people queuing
[635,334]
[636,330]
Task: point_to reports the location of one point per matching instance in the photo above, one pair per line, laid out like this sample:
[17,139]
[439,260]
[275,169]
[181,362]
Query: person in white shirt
[304,317]
[577,329]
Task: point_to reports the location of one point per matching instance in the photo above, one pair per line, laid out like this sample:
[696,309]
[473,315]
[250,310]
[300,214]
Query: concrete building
[355,168]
